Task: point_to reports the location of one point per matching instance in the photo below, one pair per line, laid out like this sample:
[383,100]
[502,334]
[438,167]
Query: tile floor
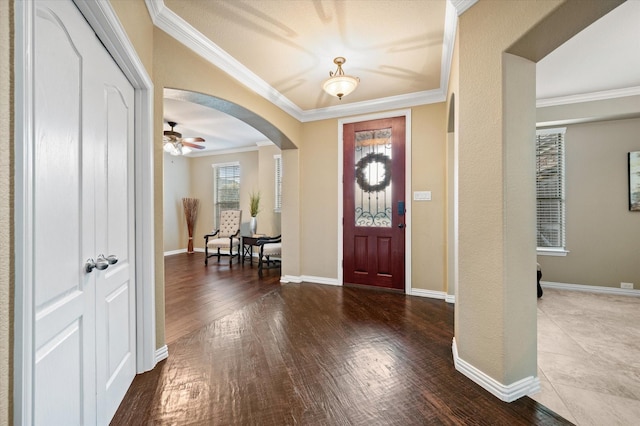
[589,357]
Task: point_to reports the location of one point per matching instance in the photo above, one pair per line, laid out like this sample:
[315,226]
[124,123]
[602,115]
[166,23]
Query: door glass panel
[373,202]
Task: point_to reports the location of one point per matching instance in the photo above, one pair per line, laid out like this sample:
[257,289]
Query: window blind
[550,188]
[226,188]
[278,180]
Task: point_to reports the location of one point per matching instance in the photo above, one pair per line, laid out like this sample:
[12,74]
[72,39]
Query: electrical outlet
[626,285]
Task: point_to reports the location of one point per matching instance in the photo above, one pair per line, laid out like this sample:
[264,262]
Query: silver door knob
[89,265]
[101,263]
[112,259]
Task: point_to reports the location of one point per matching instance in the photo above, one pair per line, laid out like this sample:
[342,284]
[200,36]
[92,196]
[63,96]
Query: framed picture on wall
[634,181]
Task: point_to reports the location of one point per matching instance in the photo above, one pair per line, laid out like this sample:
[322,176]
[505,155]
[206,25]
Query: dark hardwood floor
[196,295]
[249,351]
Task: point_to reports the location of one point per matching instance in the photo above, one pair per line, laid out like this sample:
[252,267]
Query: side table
[248,243]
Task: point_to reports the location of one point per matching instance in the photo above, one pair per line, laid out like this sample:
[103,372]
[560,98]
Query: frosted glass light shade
[168,147]
[176,148]
[340,85]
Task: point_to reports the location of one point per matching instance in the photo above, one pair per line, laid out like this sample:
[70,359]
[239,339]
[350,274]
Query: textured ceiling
[400,50]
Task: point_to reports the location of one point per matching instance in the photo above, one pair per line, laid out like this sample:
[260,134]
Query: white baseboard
[285,279]
[507,393]
[591,288]
[172,252]
[184,250]
[162,353]
[441,295]
[308,279]
[319,280]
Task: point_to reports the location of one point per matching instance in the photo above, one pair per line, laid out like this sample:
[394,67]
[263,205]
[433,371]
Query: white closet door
[115,291]
[82,207]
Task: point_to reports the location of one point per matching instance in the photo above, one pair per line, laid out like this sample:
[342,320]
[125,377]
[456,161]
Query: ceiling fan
[175,144]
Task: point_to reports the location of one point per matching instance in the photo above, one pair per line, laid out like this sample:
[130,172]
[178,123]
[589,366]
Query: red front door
[374,204]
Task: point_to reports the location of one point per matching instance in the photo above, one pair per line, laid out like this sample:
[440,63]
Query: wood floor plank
[307,354]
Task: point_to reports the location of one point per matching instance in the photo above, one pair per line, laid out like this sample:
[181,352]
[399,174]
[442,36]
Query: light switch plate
[421,195]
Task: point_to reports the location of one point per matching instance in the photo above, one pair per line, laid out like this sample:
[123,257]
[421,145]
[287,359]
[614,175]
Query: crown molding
[461,6]
[448,43]
[375,105]
[183,32]
[588,97]
[208,153]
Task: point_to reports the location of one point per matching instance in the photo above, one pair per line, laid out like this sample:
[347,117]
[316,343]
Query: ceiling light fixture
[173,142]
[339,84]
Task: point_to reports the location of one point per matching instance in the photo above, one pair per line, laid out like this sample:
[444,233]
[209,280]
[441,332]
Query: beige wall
[6,211]
[136,21]
[451,164]
[428,167]
[486,30]
[268,219]
[291,223]
[602,234]
[319,199]
[177,185]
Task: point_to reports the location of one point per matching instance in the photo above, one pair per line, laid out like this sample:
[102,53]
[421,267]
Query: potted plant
[254,209]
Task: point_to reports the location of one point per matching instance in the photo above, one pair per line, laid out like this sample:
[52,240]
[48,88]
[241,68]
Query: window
[278,180]
[550,203]
[226,188]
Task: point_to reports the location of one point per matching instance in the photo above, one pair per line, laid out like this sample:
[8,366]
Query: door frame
[406,113]
[105,23]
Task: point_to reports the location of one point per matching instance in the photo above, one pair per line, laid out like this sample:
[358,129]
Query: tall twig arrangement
[254,203]
[191,213]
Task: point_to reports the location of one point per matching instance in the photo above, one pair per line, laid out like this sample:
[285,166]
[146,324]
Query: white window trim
[278,188]
[215,186]
[555,251]
[546,251]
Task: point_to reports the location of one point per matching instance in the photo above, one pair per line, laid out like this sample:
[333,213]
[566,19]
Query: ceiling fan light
[168,147]
[173,142]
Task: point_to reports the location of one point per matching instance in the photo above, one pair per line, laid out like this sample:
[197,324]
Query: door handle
[401,225]
[100,263]
[89,265]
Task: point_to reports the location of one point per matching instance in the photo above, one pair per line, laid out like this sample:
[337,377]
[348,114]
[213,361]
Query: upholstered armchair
[269,247]
[227,237]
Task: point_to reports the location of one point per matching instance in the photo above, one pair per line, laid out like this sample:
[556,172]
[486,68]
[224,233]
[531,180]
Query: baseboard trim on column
[162,353]
[508,393]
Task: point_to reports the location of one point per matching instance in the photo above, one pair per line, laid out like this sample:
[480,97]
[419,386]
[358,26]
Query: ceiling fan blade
[192,140]
[192,145]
